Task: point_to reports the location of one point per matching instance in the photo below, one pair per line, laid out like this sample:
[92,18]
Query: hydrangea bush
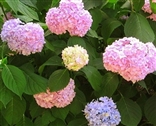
[78,63]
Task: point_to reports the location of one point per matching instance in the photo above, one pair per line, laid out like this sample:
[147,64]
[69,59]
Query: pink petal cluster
[59,98]
[23,38]
[130,58]
[75,57]
[153,1]
[69,16]
[146,8]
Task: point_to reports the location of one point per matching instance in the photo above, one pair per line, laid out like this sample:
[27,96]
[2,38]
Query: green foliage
[76,41]
[142,28]
[109,84]
[21,77]
[150,110]
[130,112]
[14,79]
[109,25]
[58,79]
[14,110]
[93,77]
[35,83]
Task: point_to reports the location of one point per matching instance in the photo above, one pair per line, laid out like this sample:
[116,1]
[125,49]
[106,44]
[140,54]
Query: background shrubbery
[24,76]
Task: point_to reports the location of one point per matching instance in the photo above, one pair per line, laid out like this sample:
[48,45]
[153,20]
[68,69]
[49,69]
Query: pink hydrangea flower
[146,8]
[129,57]
[69,16]
[23,38]
[75,57]
[59,98]
[153,1]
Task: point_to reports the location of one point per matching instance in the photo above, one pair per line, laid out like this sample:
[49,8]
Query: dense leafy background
[22,76]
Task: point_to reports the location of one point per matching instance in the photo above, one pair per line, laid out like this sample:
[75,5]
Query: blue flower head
[102,112]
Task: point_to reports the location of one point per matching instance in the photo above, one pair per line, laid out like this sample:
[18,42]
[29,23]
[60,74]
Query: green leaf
[24,18]
[16,5]
[137,4]
[35,83]
[14,110]
[38,121]
[47,117]
[78,122]
[42,4]
[138,26]
[89,4]
[13,4]
[128,90]
[108,26]
[76,107]
[93,76]
[60,113]
[49,45]
[130,112]
[97,63]
[25,122]
[58,122]
[92,33]
[35,110]
[76,41]
[113,1]
[150,109]
[5,95]
[110,83]
[143,84]
[55,3]
[97,17]
[58,80]
[54,60]
[27,11]
[58,45]
[14,79]
[29,3]
[3,121]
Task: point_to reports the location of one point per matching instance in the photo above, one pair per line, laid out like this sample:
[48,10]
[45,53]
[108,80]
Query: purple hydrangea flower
[102,112]
[23,38]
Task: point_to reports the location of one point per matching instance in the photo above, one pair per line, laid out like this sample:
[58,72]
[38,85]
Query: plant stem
[3,11]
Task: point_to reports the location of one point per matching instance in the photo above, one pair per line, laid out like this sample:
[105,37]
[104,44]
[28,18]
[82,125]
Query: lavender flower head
[7,33]
[102,112]
[23,38]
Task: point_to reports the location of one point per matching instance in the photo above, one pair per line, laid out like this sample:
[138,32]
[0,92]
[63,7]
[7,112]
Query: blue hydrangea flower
[102,112]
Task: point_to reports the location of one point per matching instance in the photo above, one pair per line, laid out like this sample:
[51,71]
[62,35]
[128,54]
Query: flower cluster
[75,57]
[59,98]
[69,16]
[129,57]
[23,38]
[102,112]
[146,8]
